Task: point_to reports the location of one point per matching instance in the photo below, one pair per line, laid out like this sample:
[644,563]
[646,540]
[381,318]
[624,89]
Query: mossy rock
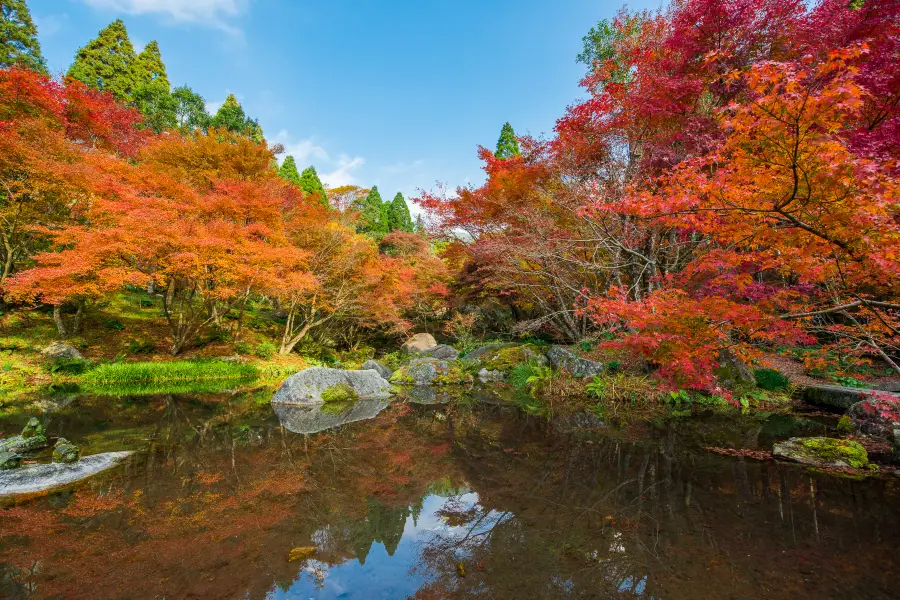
[506,359]
[9,460]
[65,452]
[823,452]
[431,371]
[341,393]
[33,428]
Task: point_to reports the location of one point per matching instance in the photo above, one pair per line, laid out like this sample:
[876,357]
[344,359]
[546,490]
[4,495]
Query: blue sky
[396,94]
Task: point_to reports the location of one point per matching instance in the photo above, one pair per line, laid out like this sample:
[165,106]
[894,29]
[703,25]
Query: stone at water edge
[563,358]
[823,452]
[33,428]
[65,452]
[9,460]
[374,365]
[488,376]
[307,386]
[61,350]
[443,352]
[431,371]
[18,444]
[421,342]
[34,479]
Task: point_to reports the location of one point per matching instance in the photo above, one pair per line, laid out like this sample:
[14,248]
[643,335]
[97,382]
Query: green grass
[157,372]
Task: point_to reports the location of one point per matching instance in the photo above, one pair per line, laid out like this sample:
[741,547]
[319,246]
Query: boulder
[477,353]
[419,343]
[430,371]
[823,452]
[732,373]
[33,437]
[65,452]
[33,428]
[506,358]
[563,358]
[838,397]
[443,352]
[61,350]
[374,365]
[426,394]
[307,386]
[313,418]
[41,478]
[9,460]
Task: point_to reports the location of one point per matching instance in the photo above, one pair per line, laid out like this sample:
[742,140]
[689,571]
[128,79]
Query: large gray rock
[823,452]
[732,373]
[306,387]
[837,397]
[443,352]
[19,444]
[419,343]
[61,350]
[65,451]
[563,358]
[9,460]
[477,353]
[35,479]
[313,418]
[374,365]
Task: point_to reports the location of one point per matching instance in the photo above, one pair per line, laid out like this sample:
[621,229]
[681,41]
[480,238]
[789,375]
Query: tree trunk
[58,319]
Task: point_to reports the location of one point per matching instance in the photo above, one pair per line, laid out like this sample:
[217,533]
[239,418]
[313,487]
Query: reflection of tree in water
[383,525]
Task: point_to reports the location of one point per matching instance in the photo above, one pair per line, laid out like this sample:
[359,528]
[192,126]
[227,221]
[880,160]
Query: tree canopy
[311,184]
[107,63]
[507,145]
[18,37]
[399,218]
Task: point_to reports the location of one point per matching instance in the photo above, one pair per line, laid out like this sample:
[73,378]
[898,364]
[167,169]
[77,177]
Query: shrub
[114,324]
[622,388]
[771,379]
[266,350]
[530,376]
[139,346]
[70,366]
[243,348]
[848,381]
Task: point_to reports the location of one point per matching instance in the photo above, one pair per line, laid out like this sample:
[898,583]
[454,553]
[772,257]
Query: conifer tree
[231,116]
[18,37]
[152,96]
[288,170]
[107,62]
[311,184]
[419,226]
[507,145]
[372,214]
[399,218]
[190,109]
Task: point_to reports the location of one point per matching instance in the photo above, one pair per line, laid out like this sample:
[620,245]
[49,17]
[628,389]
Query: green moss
[341,393]
[833,450]
[505,359]
[401,377]
[845,424]
[455,375]
[771,379]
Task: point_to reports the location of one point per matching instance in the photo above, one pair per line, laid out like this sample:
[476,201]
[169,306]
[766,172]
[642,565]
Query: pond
[222,499]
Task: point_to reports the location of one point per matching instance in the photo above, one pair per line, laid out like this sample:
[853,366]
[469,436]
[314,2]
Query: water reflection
[313,418]
[437,502]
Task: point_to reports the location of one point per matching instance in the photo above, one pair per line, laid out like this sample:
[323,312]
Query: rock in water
[419,343]
[374,365]
[61,350]
[9,460]
[563,358]
[489,376]
[33,428]
[430,371]
[65,452]
[34,479]
[823,452]
[18,444]
[307,386]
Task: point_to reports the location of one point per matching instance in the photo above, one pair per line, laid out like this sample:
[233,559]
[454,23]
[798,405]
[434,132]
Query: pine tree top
[106,62]
[149,67]
[18,37]
[288,170]
[507,145]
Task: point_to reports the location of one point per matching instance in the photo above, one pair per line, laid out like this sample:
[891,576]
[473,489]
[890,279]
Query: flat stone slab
[311,418]
[35,479]
[837,397]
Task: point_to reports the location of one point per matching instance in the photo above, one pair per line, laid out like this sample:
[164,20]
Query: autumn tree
[19,44]
[107,63]
[507,145]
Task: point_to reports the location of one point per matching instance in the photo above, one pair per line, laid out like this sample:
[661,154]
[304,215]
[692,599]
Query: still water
[435,501]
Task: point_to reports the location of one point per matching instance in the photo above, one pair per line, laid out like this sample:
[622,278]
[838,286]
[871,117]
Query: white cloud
[333,172]
[50,24]
[211,13]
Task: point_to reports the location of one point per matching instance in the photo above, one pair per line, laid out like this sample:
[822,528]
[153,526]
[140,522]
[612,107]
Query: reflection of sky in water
[383,576]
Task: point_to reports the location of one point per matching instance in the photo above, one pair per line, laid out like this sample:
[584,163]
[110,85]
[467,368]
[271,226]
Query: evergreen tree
[312,185]
[507,145]
[190,109]
[231,116]
[18,37]
[419,226]
[152,96]
[372,215]
[288,170]
[107,62]
[399,218]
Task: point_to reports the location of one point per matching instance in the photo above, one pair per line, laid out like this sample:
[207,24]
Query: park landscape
[653,353]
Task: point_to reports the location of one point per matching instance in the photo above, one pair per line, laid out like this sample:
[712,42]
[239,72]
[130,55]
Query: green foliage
[599,46]
[845,424]
[399,218]
[372,218]
[231,116]
[847,381]
[188,370]
[622,388]
[106,62]
[312,185]
[507,145]
[340,393]
[771,379]
[505,359]
[18,37]
[530,376]
[288,170]
[613,366]
[140,346]
[190,110]
[266,350]
[393,360]
[113,324]
[832,450]
[69,366]
[243,348]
